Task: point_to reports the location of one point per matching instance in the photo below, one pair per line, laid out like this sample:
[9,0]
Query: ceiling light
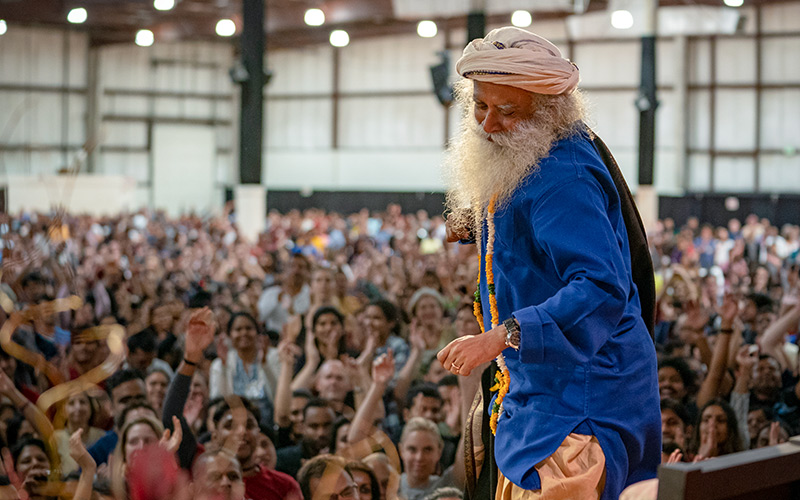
[226,27]
[521,18]
[77,15]
[163,4]
[3,27]
[339,38]
[734,3]
[144,38]
[314,17]
[426,29]
[622,19]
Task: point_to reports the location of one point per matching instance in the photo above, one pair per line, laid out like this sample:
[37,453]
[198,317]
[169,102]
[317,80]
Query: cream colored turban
[518,58]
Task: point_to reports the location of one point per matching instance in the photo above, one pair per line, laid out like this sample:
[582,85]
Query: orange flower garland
[502,377]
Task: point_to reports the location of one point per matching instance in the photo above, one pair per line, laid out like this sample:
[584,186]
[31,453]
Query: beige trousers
[575,471]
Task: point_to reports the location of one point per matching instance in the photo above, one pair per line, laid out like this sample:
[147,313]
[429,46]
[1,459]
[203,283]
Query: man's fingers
[443,354]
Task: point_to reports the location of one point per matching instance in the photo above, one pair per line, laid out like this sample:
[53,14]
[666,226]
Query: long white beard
[477,169]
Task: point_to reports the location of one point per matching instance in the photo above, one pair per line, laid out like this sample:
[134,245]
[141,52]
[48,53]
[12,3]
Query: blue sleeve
[571,225]
[103,447]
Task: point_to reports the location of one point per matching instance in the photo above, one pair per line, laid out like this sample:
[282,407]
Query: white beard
[478,169]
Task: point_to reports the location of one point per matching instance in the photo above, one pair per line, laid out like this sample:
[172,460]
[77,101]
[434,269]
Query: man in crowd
[318,419]
[325,477]
[125,388]
[556,284]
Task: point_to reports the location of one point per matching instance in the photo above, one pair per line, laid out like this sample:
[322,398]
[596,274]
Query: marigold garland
[502,377]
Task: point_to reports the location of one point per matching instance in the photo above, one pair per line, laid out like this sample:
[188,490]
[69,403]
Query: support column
[646,197]
[681,86]
[249,197]
[93,98]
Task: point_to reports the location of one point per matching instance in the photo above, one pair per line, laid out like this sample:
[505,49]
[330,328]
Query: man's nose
[491,123]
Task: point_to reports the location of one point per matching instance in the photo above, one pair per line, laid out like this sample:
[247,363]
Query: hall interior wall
[364,118]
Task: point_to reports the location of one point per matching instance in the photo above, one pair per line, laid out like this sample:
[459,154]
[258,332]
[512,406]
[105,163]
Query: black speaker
[440,74]
[476,25]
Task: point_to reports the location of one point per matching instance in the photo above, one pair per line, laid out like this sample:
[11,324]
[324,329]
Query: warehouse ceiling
[116,21]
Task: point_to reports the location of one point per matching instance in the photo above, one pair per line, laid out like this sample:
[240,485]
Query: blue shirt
[104,447]
[586,362]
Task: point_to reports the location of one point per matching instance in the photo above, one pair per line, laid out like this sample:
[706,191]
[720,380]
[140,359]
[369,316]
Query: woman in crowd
[716,432]
[365,480]
[382,322]
[245,370]
[156,383]
[79,410]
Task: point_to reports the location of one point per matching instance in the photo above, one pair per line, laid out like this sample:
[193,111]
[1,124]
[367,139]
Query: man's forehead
[332,366]
[317,413]
[237,414]
[128,387]
[500,95]
[426,400]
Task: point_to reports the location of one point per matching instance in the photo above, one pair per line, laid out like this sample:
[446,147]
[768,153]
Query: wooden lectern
[771,473]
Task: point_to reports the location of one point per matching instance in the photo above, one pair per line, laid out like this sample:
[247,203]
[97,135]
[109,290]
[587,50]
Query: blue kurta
[586,362]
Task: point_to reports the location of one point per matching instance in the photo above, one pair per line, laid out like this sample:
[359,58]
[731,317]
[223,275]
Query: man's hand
[199,334]
[458,225]
[464,354]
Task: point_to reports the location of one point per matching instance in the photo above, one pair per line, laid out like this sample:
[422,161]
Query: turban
[518,58]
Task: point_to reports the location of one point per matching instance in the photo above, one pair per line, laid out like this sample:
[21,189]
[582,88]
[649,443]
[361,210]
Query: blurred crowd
[303,365]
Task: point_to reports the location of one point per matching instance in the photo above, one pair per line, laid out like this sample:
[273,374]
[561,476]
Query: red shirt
[271,485]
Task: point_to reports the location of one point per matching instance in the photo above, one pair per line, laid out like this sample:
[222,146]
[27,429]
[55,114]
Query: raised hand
[416,337]
[383,369]
[171,441]
[292,328]
[7,386]
[8,469]
[367,353]
[288,352]
[8,389]
[729,309]
[222,348]
[77,450]
[312,353]
[356,377]
[696,316]
[675,457]
[774,433]
[199,333]
[708,445]
[747,357]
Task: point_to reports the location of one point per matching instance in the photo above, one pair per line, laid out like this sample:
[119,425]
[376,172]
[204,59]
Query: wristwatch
[512,333]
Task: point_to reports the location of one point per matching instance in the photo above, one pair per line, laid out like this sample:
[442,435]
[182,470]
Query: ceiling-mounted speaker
[440,75]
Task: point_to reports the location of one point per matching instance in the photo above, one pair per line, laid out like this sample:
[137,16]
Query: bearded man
[577,412]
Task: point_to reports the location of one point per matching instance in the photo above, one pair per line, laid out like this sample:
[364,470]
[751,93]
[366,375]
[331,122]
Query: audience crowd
[303,365]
